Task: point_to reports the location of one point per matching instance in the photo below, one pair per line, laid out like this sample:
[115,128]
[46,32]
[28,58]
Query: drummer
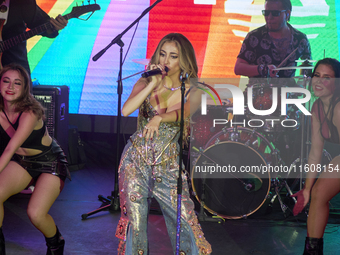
[276,44]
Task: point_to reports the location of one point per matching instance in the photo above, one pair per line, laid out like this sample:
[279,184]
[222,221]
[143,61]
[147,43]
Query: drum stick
[133,74]
[281,64]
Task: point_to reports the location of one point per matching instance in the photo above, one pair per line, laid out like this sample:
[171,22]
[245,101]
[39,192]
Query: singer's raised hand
[142,88]
[156,79]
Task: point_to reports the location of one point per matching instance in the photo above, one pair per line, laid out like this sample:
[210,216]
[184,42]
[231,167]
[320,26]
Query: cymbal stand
[202,215]
[278,185]
[304,135]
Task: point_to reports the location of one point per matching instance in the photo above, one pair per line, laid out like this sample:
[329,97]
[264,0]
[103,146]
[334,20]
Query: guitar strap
[4,9]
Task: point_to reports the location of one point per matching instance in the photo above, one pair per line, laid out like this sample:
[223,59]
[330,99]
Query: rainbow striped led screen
[216,28]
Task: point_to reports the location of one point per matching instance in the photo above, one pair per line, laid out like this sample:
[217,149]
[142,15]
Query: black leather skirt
[53,161]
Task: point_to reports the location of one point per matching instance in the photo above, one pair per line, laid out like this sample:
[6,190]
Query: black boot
[55,244]
[2,243]
[313,246]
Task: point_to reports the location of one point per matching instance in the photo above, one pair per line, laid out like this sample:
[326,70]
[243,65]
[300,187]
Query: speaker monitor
[55,100]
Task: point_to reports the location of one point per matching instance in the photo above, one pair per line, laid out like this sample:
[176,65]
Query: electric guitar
[75,13]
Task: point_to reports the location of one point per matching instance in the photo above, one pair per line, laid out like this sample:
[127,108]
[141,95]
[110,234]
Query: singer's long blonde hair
[187,58]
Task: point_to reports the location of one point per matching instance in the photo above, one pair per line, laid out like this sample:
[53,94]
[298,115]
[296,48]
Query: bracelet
[263,70]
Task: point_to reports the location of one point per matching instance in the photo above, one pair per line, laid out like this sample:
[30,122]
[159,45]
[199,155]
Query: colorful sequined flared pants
[138,183]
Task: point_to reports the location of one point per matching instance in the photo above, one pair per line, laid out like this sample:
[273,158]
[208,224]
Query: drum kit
[236,169]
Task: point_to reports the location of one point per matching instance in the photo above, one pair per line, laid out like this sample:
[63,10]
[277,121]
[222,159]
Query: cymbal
[298,77]
[294,67]
[305,60]
[142,61]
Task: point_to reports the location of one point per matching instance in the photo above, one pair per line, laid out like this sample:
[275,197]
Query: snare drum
[237,194]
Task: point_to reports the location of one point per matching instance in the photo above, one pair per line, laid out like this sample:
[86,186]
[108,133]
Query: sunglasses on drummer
[274,13]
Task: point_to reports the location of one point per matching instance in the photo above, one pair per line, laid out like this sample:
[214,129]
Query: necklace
[172,89]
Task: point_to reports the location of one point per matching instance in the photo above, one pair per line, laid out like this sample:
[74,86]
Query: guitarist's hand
[59,22]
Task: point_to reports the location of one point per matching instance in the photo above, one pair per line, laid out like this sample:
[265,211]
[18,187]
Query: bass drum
[234,195]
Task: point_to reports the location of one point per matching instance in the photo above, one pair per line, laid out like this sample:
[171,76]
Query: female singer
[149,164]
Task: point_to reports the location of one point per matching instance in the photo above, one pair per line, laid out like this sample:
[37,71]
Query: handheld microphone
[148,73]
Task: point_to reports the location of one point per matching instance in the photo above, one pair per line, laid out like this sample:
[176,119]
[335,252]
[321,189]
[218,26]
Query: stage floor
[270,234]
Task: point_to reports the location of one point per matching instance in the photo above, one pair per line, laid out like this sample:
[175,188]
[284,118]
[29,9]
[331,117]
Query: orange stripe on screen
[223,45]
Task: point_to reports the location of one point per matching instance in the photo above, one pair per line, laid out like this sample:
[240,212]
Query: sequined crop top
[34,139]
[153,152]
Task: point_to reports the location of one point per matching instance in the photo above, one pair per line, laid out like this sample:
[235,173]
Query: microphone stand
[108,202]
[179,180]
[202,215]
